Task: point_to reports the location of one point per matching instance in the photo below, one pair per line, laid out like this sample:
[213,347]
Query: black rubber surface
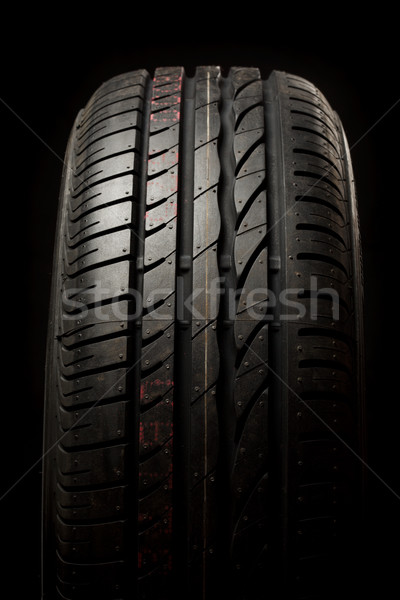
[204,403]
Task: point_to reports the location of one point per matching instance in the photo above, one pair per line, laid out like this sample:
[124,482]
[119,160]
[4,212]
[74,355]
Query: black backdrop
[48,74]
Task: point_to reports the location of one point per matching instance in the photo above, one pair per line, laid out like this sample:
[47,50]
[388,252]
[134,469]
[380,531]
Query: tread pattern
[244,337]
[94,355]
[322,476]
[250,391]
[198,418]
[157,365]
[204,347]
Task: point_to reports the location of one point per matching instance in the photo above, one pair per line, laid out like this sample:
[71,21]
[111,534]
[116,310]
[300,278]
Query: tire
[204,422]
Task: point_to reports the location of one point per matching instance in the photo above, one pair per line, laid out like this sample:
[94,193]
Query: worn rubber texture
[204,395]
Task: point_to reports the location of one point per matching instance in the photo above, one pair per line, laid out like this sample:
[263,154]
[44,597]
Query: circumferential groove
[225,333]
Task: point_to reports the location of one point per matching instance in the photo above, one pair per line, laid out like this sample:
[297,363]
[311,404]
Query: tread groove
[322,202]
[321,229]
[183,347]
[314,132]
[322,178]
[316,256]
[226,341]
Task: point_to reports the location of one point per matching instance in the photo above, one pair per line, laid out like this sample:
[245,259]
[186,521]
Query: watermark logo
[290,304]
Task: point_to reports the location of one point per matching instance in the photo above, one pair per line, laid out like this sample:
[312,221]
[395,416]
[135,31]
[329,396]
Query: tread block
[153,506]
[252,448]
[88,389]
[158,383]
[246,244]
[107,281]
[154,547]
[161,214]
[100,196]
[94,356]
[161,244]
[98,466]
[158,350]
[204,426]
[100,221]
[80,543]
[98,102]
[159,284]
[207,221]
[109,126]
[95,425]
[107,320]
[93,504]
[206,289]
[206,372]
[256,352]
[109,247]
[155,470]
[156,426]
[101,580]
[116,143]
[98,172]
[110,110]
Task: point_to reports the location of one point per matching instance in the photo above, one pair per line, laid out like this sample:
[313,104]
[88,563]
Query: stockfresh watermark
[104,304]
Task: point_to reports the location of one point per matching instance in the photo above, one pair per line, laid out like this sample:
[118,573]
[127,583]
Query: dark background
[48,74]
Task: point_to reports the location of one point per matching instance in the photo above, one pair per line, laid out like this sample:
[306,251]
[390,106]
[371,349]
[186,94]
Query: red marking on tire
[165,113]
[141,433]
[147,386]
